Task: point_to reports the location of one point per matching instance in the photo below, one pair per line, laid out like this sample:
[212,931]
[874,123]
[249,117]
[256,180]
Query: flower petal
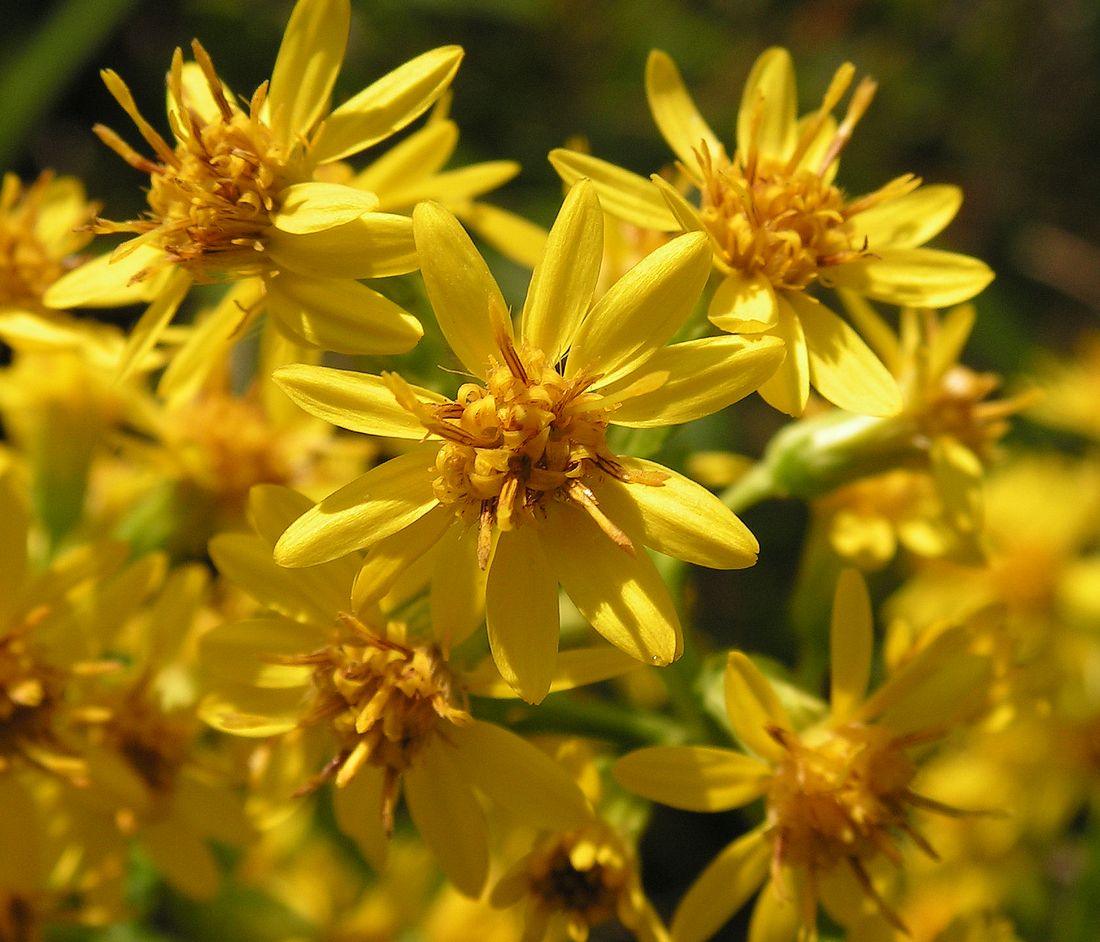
[776,916]
[392,557]
[842,367]
[913,277]
[387,105]
[744,303]
[565,278]
[694,778]
[358,809]
[515,237]
[576,667]
[151,325]
[448,817]
[374,245]
[642,310]
[454,187]
[680,518]
[518,777]
[910,220]
[181,857]
[110,280]
[459,284]
[418,156]
[306,67]
[243,709]
[370,508]
[623,194]
[622,596]
[522,613]
[753,706]
[457,586]
[341,315]
[675,113]
[360,402]
[722,888]
[241,652]
[789,386]
[770,91]
[959,477]
[314,206]
[695,379]
[851,638]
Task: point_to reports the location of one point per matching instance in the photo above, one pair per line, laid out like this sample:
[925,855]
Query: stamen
[581,495]
[861,101]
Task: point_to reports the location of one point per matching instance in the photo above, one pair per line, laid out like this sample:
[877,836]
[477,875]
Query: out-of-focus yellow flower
[836,793]
[241,194]
[777,224]
[41,229]
[517,480]
[1071,389]
[383,713]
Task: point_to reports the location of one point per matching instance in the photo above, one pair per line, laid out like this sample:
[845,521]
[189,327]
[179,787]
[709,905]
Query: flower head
[517,483]
[837,793]
[242,193]
[778,226]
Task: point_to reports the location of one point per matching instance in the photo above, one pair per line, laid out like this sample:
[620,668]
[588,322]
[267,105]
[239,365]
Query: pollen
[778,217]
[525,439]
[211,197]
[383,702]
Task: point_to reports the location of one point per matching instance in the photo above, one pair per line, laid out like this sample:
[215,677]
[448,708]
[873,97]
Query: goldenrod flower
[778,224]
[517,481]
[241,193]
[382,713]
[836,793]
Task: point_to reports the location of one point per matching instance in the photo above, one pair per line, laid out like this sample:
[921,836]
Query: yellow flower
[38,237]
[517,481]
[242,193]
[381,712]
[778,224]
[836,793]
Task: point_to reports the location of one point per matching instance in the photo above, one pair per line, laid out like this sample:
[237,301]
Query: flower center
[525,439]
[957,407]
[27,267]
[581,874]
[211,197]
[783,225]
[155,744]
[383,701]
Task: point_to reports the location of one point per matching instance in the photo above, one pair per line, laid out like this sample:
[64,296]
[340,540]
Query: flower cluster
[352,610]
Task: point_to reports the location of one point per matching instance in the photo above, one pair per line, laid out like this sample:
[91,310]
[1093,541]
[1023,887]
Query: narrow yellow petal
[675,113]
[374,245]
[959,477]
[910,220]
[448,817]
[722,888]
[454,187]
[241,652]
[109,282]
[390,558]
[789,386]
[272,508]
[744,303]
[686,215]
[420,155]
[623,194]
[695,379]
[151,325]
[359,402]
[243,709]
[769,106]
[680,518]
[950,337]
[457,585]
[565,278]
[851,638]
[306,67]
[518,777]
[522,613]
[358,809]
[515,237]
[387,105]
[873,328]
[842,367]
[314,207]
[623,597]
[753,707]
[642,310]
[341,315]
[459,284]
[370,508]
[776,917]
[695,778]
[913,277]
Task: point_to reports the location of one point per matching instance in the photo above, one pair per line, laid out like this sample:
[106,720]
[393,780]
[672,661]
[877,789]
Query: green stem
[596,719]
[37,75]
